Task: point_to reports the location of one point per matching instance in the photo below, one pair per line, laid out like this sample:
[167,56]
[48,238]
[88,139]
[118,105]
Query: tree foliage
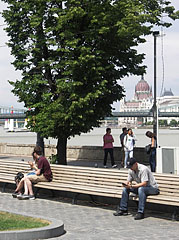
[163,123]
[72,58]
[173,123]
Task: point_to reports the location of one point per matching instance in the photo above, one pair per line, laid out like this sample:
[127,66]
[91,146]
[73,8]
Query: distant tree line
[164,123]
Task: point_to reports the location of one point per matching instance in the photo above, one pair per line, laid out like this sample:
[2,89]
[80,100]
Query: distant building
[143,101]
[168,103]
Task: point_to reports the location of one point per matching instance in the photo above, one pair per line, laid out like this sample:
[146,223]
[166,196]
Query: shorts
[37,178]
[31,173]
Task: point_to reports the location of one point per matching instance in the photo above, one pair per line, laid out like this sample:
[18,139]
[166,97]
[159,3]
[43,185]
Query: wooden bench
[79,180]
[93,181]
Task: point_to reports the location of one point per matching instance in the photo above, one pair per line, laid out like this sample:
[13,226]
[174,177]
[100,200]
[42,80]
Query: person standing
[108,147]
[152,156]
[145,185]
[128,142]
[122,135]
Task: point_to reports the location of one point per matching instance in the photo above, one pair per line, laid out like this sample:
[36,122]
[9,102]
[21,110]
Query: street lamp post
[155,34]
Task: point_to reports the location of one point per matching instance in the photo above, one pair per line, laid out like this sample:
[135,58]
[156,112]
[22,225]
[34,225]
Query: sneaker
[139,216]
[121,213]
[114,166]
[14,194]
[23,197]
[19,194]
[105,166]
[31,197]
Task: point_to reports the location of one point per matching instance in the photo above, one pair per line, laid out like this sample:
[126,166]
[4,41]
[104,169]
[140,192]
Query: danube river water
[167,137]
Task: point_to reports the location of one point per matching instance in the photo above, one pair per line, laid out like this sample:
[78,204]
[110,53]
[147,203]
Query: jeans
[142,192]
[152,160]
[110,151]
[128,154]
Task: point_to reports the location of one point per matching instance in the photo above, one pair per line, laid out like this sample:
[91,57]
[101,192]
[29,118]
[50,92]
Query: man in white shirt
[145,185]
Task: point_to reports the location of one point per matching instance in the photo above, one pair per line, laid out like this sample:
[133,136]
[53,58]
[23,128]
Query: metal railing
[114,114]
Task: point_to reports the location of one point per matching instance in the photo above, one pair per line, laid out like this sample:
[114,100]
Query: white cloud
[7,71]
[167,62]
[171,63]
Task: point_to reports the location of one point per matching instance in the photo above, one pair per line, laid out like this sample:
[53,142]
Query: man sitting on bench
[43,173]
[145,185]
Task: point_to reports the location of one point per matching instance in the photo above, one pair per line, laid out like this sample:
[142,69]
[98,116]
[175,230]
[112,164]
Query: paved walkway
[85,163]
[86,221]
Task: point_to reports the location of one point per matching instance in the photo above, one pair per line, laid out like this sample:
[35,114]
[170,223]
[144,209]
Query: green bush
[53,159]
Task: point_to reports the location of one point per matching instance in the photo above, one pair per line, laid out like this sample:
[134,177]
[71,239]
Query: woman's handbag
[148,148]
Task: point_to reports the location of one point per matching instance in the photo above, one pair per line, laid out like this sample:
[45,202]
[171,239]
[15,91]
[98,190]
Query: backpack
[18,176]
[148,148]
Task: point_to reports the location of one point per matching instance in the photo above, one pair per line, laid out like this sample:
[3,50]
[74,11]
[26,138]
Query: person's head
[124,130]
[108,130]
[132,164]
[150,134]
[34,157]
[37,152]
[130,131]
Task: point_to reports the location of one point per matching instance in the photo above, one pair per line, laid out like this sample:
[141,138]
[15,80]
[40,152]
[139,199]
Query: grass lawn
[9,221]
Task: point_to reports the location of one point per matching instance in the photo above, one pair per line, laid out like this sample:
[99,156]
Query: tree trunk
[61,151]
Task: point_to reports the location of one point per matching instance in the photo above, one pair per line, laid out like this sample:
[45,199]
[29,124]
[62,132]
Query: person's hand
[31,164]
[126,185]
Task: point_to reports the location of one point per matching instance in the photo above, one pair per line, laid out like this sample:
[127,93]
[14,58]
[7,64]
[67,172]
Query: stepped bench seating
[93,181]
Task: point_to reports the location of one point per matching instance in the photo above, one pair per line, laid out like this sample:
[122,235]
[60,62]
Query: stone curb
[55,229]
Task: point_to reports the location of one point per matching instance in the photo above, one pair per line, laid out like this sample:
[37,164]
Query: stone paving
[87,221]
[84,163]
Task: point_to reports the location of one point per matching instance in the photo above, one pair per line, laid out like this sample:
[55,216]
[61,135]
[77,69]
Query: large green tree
[72,57]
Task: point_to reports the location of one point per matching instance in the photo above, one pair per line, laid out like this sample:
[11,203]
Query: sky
[167,64]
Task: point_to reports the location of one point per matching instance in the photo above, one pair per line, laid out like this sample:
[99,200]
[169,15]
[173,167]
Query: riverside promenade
[89,221]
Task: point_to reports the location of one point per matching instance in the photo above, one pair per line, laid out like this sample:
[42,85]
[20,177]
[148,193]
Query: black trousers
[110,151]
[152,160]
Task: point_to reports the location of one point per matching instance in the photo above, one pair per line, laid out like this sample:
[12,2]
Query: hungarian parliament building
[143,100]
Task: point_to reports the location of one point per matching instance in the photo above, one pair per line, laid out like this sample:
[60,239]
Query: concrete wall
[94,153]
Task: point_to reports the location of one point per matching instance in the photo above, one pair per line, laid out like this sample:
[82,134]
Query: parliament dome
[142,86]
[142,90]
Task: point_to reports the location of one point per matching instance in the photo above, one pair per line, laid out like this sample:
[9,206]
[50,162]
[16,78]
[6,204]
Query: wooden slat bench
[93,181]
[79,180]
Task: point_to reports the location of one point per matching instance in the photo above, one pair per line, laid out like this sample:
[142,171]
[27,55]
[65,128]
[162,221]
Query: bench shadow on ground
[149,213]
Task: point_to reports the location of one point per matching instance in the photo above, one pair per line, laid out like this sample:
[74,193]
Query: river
[167,137]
